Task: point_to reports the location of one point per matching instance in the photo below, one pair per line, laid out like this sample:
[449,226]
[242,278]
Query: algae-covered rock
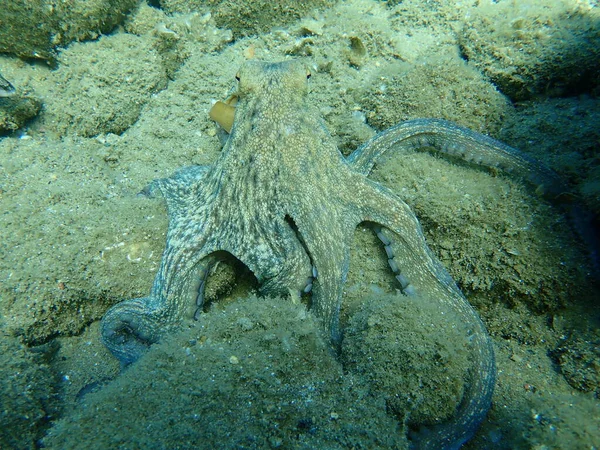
[257,374]
[447,88]
[545,130]
[533,47]
[103,85]
[176,36]
[413,352]
[16,110]
[248,17]
[35,28]
[27,394]
[579,361]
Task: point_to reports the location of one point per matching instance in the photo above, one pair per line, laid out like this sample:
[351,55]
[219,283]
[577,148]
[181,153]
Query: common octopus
[284,201]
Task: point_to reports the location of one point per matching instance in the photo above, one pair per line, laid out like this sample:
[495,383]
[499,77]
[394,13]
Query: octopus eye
[308,74]
[237,76]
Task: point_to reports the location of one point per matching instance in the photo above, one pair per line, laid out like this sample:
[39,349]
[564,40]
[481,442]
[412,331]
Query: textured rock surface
[35,28]
[535,48]
[248,17]
[107,94]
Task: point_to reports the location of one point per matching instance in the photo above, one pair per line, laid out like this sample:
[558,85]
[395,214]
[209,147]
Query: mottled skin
[283,200]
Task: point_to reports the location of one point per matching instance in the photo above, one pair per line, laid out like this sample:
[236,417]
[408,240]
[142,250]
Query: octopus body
[283,200]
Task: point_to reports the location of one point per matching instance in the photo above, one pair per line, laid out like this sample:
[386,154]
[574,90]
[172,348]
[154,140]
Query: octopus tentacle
[421,272]
[130,327]
[177,188]
[282,266]
[405,285]
[456,141]
[329,251]
[451,139]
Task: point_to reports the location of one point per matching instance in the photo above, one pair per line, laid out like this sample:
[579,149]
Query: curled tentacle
[456,141]
[129,328]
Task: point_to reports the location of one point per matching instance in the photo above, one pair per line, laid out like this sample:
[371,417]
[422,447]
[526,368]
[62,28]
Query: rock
[36,28]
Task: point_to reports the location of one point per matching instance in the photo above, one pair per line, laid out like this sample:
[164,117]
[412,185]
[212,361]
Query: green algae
[107,97]
[470,100]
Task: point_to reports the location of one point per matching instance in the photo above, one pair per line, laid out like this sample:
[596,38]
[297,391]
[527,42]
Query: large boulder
[36,28]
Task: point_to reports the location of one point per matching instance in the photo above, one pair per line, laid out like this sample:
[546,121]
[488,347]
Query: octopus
[283,200]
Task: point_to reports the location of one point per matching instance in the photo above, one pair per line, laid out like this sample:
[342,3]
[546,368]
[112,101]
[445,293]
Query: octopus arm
[130,327]
[325,233]
[456,141]
[179,189]
[421,273]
